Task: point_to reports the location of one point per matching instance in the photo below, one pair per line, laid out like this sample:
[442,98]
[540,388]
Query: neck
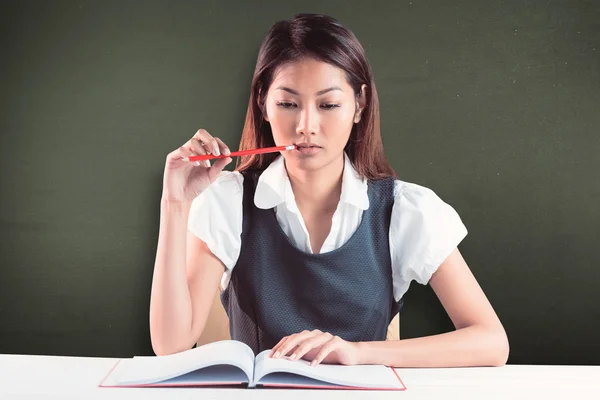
[321,188]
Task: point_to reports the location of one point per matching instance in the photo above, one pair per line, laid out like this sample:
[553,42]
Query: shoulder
[222,196]
[419,209]
[412,197]
[413,191]
[216,216]
[423,225]
[424,230]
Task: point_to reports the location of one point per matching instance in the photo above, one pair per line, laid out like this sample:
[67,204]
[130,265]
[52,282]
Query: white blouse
[423,229]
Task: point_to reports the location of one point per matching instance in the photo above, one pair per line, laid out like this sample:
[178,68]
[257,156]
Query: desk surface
[54,377]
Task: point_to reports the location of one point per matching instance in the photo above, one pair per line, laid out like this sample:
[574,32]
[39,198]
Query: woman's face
[310,104]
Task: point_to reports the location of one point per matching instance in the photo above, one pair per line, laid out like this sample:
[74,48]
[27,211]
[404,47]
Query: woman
[318,244]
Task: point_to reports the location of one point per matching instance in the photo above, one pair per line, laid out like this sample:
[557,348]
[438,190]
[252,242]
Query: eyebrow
[319,93]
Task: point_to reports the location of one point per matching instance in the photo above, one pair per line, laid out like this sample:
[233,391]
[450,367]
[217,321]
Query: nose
[308,124]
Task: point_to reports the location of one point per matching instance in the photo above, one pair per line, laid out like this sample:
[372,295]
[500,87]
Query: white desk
[53,377]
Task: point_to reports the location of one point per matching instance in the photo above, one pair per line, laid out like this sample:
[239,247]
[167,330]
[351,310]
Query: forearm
[170,302]
[466,347]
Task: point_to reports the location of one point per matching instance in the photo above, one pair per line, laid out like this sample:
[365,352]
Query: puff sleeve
[424,230]
[216,218]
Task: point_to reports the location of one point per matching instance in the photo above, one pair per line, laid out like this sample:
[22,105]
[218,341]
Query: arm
[185,281]
[479,339]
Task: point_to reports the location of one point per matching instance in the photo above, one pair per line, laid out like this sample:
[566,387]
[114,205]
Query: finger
[202,135]
[274,352]
[285,340]
[292,342]
[327,348]
[196,147]
[181,152]
[212,147]
[310,344]
[177,156]
[217,167]
[223,147]
[208,141]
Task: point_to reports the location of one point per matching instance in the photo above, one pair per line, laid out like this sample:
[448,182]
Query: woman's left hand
[317,346]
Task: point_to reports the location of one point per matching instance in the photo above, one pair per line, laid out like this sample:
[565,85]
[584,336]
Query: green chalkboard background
[493,105]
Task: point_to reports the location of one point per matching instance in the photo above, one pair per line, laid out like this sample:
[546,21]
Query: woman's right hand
[183,180]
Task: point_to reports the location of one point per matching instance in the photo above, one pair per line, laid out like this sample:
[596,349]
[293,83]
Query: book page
[364,376]
[154,369]
[217,374]
[283,379]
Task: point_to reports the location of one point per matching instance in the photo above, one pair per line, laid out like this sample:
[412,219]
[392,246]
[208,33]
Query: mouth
[307,146]
[308,149]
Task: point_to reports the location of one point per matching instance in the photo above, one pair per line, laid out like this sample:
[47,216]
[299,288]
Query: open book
[231,362]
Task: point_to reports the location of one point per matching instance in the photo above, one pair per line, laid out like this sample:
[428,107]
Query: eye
[285,104]
[329,106]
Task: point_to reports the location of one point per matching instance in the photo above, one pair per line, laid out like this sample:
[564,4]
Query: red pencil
[240,153]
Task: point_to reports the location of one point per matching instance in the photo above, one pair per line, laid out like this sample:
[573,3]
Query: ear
[361,103]
[263,110]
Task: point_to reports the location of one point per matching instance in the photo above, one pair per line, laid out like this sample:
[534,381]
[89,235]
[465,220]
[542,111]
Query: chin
[303,163]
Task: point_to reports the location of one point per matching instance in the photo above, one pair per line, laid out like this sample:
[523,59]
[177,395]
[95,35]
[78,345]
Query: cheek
[338,124]
[276,114]
[281,125]
[279,118]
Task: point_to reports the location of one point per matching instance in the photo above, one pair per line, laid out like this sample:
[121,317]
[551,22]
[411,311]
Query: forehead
[310,75]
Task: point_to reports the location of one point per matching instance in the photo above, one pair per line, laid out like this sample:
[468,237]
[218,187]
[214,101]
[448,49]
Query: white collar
[274,188]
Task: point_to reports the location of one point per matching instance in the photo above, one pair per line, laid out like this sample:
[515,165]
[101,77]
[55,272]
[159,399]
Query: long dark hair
[323,38]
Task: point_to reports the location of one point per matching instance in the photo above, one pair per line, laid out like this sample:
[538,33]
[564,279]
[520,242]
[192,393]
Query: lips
[307,145]
[308,149]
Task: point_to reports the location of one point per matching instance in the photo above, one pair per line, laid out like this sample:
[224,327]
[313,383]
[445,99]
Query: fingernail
[293,356]
[226,151]
[313,363]
[276,354]
[217,151]
[207,163]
